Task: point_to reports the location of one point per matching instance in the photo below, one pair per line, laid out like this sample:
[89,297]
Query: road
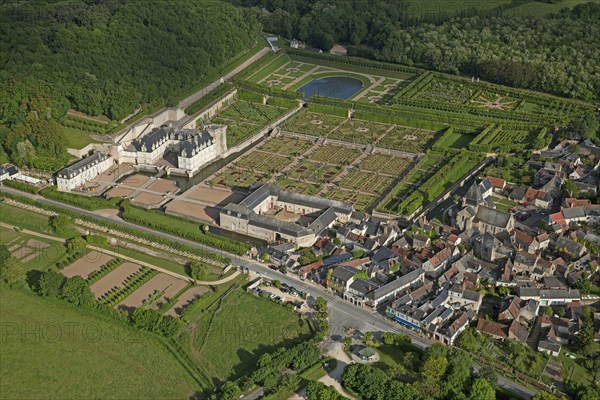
[343,315]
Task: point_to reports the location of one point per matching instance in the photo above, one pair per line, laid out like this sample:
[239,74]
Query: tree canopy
[552,53]
[105,58]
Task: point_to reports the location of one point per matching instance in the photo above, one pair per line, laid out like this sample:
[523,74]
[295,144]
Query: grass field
[24,219]
[228,340]
[41,258]
[53,351]
[75,138]
[454,139]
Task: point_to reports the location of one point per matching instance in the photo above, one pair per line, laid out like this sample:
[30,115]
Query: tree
[459,371]
[75,290]
[265,256]
[59,223]
[347,342]
[482,390]
[321,304]
[585,337]
[560,311]
[583,284]
[277,283]
[319,391]
[489,374]
[368,337]
[230,391]
[396,390]
[468,340]
[543,396]
[290,382]
[51,283]
[11,271]
[76,245]
[198,270]
[367,381]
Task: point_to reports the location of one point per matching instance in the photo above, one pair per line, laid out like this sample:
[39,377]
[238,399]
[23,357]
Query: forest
[105,57]
[552,53]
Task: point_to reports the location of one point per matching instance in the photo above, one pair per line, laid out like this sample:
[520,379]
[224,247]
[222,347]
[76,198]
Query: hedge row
[180,227]
[281,102]
[455,169]
[121,228]
[252,97]
[271,91]
[103,271]
[26,187]
[88,203]
[68,259]
[330,110]
[355,62]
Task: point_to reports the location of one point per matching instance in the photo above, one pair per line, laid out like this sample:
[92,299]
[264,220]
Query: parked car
[273,267]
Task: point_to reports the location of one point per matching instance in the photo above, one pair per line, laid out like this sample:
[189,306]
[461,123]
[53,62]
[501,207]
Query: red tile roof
[492,328]
[572,202]
[497,182]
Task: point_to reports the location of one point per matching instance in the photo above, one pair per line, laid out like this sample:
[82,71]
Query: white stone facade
[82,171]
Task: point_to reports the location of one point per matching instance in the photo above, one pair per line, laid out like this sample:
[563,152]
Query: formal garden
[245,118]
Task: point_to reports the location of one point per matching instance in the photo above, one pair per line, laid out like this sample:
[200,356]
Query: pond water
[341,87]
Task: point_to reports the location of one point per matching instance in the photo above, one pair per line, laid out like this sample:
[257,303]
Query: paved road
[342,314]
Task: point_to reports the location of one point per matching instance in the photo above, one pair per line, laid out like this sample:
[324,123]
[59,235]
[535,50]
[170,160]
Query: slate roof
[473,196]
[397,283]
[493,217]
[344,274]
[80,166]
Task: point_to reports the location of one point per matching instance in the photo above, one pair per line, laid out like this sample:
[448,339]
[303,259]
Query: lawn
[53,351]
[269,69]
[39,259]
[75,138]
[454,139]
[24,219]
[228,339]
